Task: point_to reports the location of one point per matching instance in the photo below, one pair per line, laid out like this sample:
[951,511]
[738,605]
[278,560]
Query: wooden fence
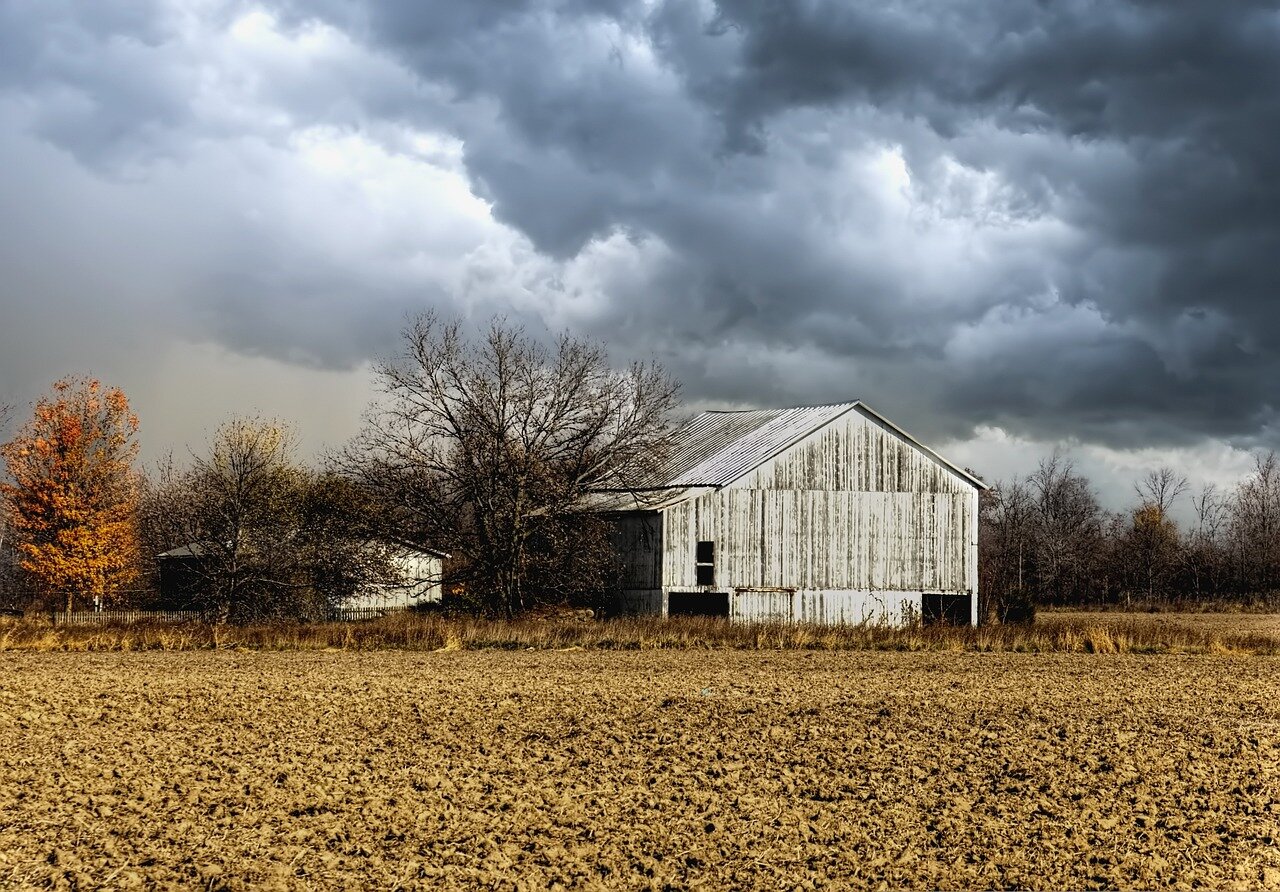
[356,614]
[123,617]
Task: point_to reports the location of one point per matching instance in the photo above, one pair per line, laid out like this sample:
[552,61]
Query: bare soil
[668,769]
[1226,623]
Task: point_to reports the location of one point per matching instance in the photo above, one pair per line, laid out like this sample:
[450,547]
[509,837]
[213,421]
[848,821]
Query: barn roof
[717,447]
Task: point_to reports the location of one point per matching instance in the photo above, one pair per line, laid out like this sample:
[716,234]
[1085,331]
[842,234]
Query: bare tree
[1068,523]
[1006,547]
[1256,523]
[9,570]
[260,537]
[1205,556]
[1161,489]
[1151,543]
[484,447]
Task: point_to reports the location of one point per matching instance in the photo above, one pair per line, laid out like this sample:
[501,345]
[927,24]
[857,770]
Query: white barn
[824,514]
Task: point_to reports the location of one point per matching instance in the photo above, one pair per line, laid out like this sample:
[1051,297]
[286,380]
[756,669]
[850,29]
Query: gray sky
[1006,226]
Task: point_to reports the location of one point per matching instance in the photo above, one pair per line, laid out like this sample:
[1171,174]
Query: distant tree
[1152,545]
[485,448]
[1255,525]
[1205,555]
[1006,551]
[72,494]
[1161,488]
[269,539]
[1068,523]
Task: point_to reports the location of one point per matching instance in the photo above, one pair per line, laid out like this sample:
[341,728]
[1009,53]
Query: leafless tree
[1068,523]
[1150,546]
[1161,488]
[262,537]
[14,595]
[484,447]
[1256,523]
[1006,549]
[1204,555]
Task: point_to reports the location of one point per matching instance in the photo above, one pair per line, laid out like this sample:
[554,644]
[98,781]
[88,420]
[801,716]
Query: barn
[824,514]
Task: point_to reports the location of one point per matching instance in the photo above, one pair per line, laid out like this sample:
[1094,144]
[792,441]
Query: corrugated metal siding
[422,574]
[637,601]
[853,608]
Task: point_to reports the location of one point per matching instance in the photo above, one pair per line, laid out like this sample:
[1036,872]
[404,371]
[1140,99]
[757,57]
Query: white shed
[825,514]
[422,571]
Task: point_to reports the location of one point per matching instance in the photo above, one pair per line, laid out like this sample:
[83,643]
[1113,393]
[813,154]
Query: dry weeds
[662,769]
[1256,634]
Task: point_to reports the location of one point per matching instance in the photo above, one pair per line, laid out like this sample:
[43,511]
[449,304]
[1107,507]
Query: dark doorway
[698,604]
[951,610]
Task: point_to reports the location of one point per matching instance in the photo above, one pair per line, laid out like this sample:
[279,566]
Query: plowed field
[631,770]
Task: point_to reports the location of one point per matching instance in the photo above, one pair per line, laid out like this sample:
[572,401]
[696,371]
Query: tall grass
[447,633]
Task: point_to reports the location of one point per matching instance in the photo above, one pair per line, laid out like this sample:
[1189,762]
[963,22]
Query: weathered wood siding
[853,507]
[854,454]
[637,540]
[825,607]
[422,576]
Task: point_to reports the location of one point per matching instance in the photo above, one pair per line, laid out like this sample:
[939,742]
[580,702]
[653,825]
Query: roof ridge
[782,408]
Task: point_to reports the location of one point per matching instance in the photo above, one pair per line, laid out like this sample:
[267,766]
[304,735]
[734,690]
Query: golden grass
[1080,634]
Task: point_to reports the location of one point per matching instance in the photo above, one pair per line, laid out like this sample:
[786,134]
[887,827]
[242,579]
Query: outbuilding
[824,514]
[419,569]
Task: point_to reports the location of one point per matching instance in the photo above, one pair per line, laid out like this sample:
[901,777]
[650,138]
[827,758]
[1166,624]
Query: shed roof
[200,549]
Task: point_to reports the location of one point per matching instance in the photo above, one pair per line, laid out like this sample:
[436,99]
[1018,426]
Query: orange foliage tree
[72,495]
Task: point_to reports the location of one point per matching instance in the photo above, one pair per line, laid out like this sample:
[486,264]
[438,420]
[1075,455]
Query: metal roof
[716,448]
[619,501]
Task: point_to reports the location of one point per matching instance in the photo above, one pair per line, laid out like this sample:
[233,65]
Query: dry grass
[1057,633]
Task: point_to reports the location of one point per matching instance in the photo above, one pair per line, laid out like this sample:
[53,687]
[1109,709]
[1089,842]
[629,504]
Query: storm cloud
[1052,220]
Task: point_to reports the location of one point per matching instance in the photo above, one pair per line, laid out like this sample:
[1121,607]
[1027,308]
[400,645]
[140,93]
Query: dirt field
[1227,623]
[627,770]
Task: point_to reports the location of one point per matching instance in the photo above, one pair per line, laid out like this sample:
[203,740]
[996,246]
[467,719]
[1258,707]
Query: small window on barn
[706,563]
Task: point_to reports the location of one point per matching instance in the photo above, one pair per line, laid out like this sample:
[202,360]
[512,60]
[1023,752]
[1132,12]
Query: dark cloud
[1062,218]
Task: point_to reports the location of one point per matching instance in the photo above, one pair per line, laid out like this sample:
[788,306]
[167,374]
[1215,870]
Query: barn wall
[852,509]
[826,607]
[637,542]
[636,602]
[823,541]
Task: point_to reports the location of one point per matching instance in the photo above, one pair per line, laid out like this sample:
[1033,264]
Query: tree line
[1046,539]
[479,447]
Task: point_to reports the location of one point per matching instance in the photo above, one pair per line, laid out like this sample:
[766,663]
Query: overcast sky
[1004,225]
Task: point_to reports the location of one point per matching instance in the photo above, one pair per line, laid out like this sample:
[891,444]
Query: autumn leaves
[72,494]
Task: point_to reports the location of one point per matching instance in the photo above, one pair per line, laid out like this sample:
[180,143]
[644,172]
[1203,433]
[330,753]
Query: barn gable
[858,451]
[841,446]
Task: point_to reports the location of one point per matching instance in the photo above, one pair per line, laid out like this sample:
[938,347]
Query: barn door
[952,610]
